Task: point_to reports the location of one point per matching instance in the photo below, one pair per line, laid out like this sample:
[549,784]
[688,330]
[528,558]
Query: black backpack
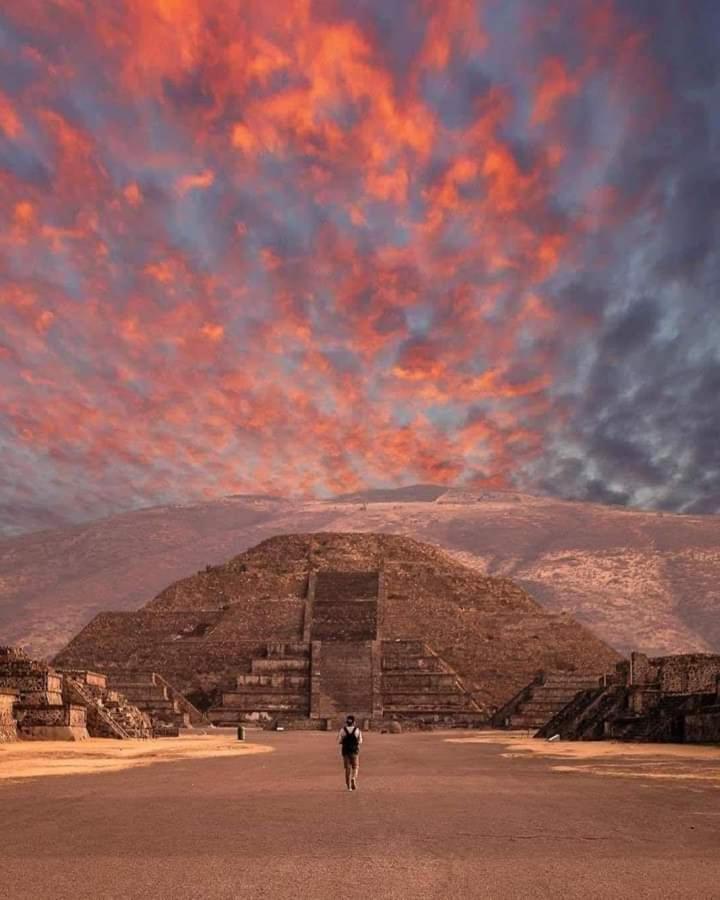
[350,741]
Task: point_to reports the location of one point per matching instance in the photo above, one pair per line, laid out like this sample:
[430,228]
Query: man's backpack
[350,741]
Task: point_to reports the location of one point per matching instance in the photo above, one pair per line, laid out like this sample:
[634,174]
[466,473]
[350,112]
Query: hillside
[648,581]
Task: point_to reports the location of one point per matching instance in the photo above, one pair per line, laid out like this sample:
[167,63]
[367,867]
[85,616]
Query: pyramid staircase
[277,684]
[346,680]
[168,709]
[418,686]
[584,717]
[342,625]
[109,713]
[542,699]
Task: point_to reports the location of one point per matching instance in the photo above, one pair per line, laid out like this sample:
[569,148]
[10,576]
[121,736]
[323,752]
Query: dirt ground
[32,759]
[671,762]
[436,816]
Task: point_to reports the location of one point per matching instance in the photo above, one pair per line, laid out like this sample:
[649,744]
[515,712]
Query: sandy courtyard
[451,815]
[32,759]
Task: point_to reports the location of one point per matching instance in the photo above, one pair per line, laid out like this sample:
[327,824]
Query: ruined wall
[690,673]
[8,724]
[686,673]
[35,682]
[51,723]
[703,729]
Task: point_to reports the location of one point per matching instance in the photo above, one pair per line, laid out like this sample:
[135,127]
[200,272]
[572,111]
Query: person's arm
[359,736]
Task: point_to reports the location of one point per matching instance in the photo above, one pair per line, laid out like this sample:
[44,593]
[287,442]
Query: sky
[307,247]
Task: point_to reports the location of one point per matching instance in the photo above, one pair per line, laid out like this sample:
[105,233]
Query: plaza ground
[437,815]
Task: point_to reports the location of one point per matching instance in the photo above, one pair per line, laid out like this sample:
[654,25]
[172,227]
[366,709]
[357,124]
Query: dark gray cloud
[645,398]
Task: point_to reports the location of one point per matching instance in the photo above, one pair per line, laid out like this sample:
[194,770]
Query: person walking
[350,738]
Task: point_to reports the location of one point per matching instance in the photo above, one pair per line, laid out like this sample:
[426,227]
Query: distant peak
[412,493]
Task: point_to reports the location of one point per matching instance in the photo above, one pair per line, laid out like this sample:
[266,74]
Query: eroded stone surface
[284,609]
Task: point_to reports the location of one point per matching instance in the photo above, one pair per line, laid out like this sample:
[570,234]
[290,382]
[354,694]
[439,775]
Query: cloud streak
[309,247]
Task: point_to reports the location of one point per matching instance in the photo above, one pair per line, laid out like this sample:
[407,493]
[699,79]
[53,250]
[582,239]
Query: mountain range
[639,580]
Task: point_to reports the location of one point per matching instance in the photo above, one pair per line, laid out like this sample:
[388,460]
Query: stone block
[263,666]
[703,728]
[52,723]
[8,723]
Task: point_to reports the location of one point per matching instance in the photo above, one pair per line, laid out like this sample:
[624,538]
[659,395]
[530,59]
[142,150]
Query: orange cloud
[555,86]
[10,123]
[200,181]
[368,292]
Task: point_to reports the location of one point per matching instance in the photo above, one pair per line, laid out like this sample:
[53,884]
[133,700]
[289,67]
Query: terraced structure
[305,628]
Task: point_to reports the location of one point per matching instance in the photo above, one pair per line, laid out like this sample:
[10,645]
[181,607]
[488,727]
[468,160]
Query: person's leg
[355,768]
[347,762]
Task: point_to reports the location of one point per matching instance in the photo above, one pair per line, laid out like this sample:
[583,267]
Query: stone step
[281,704]
[265,666]
[403,712]
[263,700]
[449,717]
[345,678]
[157,705]
[287,651]
[527,722]
[403,648]
[354,620]
[582,682]
[346,586]
[221,716]
[541,706]
[426,701]
[280,680]
[411,663]
[140,692]
[555,695]
[413,681]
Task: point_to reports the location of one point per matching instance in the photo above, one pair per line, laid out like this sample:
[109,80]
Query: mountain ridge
[639,580]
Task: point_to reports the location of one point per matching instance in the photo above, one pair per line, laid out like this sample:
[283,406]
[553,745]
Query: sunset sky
[309,247]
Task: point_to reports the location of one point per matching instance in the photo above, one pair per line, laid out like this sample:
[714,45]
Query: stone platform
[39,702]
[660,699]
[41,710]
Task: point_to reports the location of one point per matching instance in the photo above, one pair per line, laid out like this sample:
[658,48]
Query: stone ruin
[659,699]
[168,710]
[40,708]
[41,702]
[8,722]
[303,629]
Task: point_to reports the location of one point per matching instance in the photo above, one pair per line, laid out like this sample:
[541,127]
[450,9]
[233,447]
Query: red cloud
[363,278]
